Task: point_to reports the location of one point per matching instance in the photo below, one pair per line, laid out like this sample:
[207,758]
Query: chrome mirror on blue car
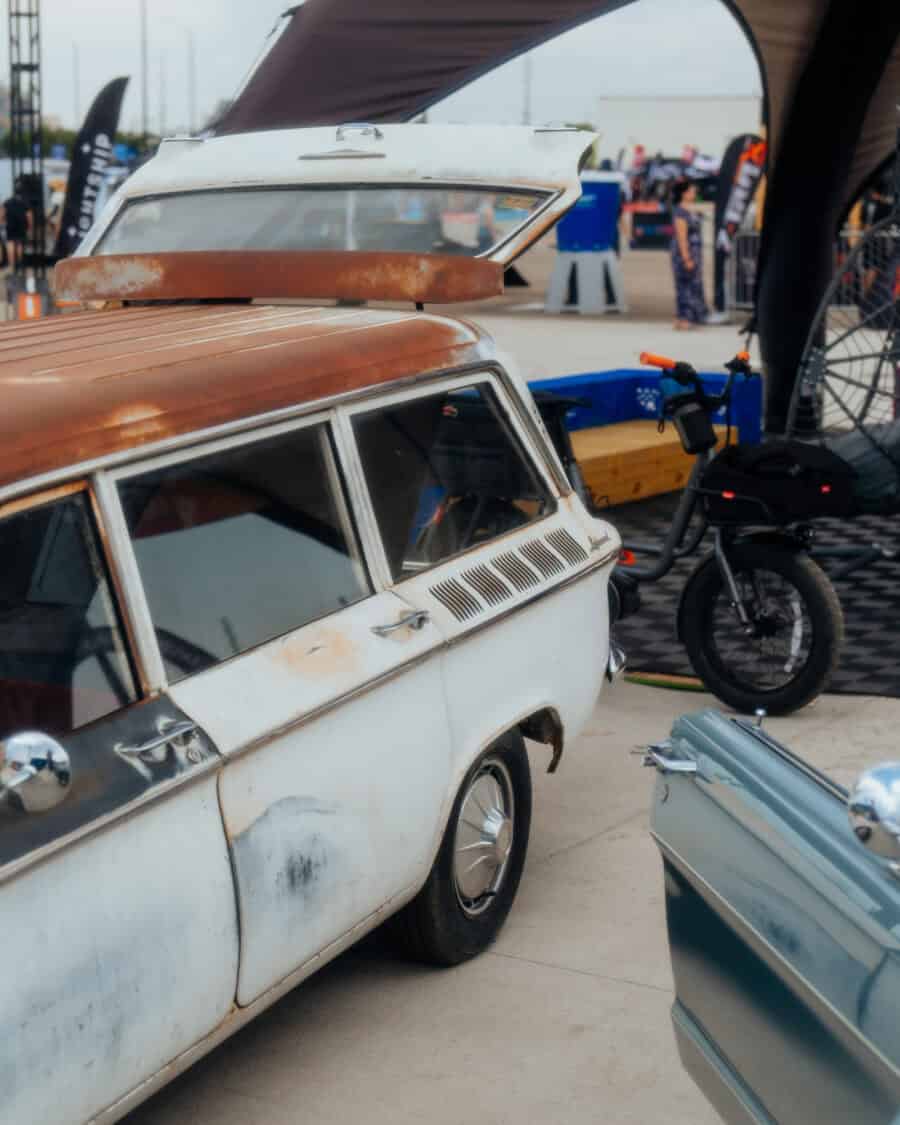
[874,808]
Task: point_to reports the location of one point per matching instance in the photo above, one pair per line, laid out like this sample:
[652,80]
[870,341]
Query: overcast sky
[648,47]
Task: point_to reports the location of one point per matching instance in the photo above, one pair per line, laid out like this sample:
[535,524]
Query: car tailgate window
[241,546]
[445,472]
[63,660]
[468,221]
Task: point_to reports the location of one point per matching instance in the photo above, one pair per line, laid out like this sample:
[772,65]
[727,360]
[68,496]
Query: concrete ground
[566,1019]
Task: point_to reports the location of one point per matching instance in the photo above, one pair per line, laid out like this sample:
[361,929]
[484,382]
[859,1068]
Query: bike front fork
[737,602]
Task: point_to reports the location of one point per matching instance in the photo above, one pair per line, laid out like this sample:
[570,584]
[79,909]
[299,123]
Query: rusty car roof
[85,385]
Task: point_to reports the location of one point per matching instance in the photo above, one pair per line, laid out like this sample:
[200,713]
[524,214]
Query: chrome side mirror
[874,809]
[35,768]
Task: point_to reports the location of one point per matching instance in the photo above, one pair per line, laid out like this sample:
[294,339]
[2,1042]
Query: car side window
[63,657]
[445,472]
[241,546]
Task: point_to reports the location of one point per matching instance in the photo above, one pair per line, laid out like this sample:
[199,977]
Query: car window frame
[339,482]
[457,381]
[117,592]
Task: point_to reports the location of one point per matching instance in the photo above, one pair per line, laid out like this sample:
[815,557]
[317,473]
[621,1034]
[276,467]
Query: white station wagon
[284,588]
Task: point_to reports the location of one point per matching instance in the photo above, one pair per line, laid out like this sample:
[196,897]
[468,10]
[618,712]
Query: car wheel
[473,882]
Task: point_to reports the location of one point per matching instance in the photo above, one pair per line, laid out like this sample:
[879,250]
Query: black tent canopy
[831,77]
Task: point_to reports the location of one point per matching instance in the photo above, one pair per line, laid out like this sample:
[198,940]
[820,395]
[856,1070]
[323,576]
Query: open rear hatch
[396,212]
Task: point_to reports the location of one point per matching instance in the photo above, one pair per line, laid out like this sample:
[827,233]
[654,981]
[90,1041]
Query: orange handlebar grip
[651,359]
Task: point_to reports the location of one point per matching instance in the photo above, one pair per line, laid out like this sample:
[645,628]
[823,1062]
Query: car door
[477,534]
[784,932]
[119,918]
[320,692]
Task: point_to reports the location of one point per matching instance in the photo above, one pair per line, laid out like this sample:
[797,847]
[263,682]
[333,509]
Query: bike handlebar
[651,359]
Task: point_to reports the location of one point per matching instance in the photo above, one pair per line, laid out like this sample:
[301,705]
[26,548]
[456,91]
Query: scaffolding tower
[26,140]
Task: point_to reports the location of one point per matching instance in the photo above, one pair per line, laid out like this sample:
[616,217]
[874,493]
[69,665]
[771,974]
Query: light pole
[192,83]
[145,127]
[526,91]
[162,95]
[76,86]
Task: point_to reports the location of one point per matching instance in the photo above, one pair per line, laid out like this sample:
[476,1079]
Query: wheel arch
[542,724]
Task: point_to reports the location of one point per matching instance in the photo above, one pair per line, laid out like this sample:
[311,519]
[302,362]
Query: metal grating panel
[542,558]
[457,599]
[515,570]
[488,584]
[565,544]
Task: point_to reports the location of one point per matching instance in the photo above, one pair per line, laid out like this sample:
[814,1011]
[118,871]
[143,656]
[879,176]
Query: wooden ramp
[631,460]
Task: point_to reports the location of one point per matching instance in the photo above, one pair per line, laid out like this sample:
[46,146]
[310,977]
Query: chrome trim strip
[134,606]
[369,534]
[369,685]
[846,1031]
[219,445]
[329,705]
[329,441]
[810,771]
[164,789]
[716,1069]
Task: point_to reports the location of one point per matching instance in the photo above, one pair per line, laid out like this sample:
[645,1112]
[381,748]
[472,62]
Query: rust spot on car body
[80,386]
[329,652]
[121,278]
[350,275]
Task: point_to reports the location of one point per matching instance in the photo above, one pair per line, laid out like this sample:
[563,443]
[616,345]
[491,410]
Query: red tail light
[825,489]
[727,495]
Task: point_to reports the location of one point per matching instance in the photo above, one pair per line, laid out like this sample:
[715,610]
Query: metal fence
[741,272]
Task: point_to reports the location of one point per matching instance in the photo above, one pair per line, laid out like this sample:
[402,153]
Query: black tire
[751,672]
[437,927]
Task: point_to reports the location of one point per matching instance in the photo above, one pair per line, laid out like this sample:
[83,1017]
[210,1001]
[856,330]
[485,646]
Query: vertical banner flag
[739,174]
[92,153]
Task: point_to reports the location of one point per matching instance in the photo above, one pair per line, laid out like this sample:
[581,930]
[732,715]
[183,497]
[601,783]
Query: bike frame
[672,547]
[675,547]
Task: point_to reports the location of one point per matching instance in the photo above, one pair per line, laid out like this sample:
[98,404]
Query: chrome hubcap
[484,837]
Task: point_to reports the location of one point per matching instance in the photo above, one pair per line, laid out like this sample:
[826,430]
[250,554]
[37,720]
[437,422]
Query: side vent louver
[568,546]
[497,580]
[491,587]
[542,558]
[515,570]
[457,599]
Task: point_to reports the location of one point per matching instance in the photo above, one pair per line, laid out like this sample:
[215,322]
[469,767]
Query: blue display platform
[625,395]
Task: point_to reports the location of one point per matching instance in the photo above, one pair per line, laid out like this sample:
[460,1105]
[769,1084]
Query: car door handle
[172,732]
[414,620]
[661,757]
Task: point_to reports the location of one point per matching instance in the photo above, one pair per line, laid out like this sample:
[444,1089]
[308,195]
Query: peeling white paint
[122,952]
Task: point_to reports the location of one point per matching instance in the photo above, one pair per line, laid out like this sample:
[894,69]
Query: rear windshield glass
[416,220]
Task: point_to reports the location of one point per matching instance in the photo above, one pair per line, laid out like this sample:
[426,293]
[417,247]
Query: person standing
[17,220]
[687,259]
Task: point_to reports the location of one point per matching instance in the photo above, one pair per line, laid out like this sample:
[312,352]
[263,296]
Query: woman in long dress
[687,259]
